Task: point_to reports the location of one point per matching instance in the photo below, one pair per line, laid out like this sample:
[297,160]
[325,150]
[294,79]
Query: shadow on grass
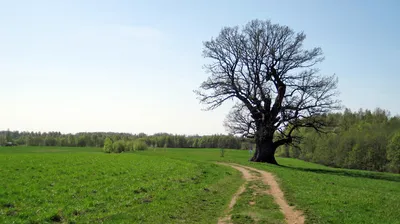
[349,173]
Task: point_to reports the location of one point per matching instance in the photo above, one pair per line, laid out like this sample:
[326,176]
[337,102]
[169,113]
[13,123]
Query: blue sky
[132,66]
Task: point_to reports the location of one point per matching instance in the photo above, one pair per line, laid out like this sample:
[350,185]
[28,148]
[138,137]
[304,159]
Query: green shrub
[130,146]
[108,145]
[393,154]
[119,146]
[140,145]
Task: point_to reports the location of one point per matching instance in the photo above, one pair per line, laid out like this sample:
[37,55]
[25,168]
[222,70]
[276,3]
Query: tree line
[364,139]
[96,139]
[368,140]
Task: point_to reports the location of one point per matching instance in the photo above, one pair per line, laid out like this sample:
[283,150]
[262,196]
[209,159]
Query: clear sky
[132,66]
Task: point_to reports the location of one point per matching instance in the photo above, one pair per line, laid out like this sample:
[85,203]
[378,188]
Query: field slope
[84,185]
[47,185]
[324,194]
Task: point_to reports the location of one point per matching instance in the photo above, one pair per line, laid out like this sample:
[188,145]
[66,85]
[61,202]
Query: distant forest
[368,140]
[96,139]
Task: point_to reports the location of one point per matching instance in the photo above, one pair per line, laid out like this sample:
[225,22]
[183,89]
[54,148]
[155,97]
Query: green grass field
[46,185]
[326,195]
[84,185]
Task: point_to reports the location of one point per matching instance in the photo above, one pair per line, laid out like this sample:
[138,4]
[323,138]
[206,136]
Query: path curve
[292,216]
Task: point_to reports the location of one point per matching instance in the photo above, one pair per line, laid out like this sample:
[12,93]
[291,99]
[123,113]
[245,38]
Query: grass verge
[256,206]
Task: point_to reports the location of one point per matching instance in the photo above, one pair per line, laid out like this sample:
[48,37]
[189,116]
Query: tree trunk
[265,150]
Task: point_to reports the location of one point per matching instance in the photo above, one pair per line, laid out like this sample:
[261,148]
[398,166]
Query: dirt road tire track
[292,216]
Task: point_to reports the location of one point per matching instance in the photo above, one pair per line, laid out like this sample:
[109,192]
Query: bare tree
[264,67]
[240,122]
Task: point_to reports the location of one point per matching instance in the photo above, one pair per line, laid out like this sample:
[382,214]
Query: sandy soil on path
[292,216]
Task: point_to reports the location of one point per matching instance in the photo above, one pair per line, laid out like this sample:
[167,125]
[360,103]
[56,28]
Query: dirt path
[292,216]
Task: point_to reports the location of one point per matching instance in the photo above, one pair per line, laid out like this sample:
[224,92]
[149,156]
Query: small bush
[130,146]
[393,154]
[119,146]
[108,145]
[140,145]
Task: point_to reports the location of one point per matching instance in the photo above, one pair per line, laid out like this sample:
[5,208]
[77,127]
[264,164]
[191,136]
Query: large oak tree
[271,77]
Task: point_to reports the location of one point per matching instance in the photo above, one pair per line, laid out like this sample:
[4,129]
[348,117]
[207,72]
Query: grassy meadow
[84,185]
[324,194]
[69,185]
